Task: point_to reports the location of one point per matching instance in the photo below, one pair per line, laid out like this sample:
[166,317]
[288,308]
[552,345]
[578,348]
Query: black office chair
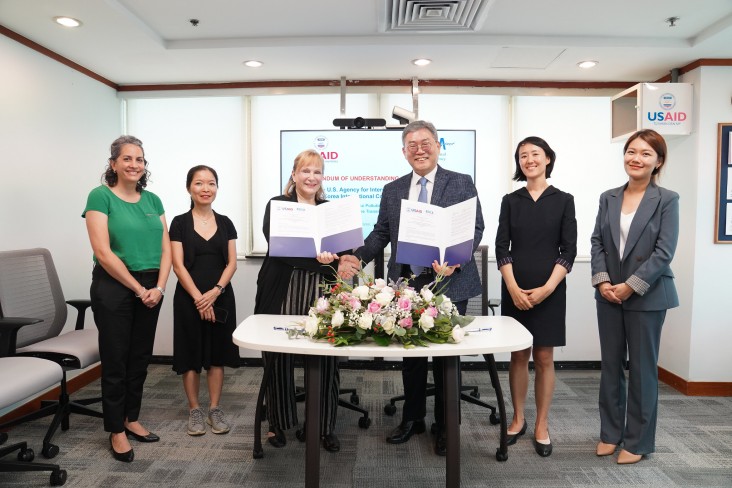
[352,404]
[22,378]
[29,287]
[478,305]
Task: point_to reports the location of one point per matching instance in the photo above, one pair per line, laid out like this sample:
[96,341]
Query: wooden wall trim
[621,85]
[47,52]
[74,384]
[696,64]
[695,388]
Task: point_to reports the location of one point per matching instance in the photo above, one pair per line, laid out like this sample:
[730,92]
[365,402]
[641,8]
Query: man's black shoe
[404,431]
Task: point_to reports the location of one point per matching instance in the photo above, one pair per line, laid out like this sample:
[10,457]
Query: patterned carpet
[693,444]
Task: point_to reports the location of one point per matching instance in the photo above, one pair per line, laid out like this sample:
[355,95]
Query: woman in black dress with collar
[536,244]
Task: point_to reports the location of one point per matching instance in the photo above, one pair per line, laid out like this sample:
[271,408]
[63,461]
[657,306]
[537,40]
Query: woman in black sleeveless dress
[204,307]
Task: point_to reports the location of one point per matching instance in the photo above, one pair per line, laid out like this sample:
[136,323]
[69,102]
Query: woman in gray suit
[633,244]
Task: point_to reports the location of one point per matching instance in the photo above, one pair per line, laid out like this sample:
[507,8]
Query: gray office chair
[29,287]
[20,379]
[478,305]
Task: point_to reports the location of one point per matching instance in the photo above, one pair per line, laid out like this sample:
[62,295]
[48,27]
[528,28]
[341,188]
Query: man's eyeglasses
[424,145]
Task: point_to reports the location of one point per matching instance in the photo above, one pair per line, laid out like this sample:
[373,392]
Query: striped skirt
[280,395]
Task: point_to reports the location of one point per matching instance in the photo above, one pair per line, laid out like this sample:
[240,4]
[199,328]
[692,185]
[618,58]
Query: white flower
[322,305]
[388,325]
[362,292]
[426,322]
[446,306]
[365,320]
[383,298]
[379,283]
[311,325]
[458,333]
[426,294]
[337,319]
[409,293]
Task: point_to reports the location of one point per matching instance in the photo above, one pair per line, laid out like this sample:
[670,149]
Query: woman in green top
[132,257]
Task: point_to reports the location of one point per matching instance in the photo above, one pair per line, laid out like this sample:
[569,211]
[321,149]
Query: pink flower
[404,303]
[406,322]
[374,307]
[355,303]
[431,311]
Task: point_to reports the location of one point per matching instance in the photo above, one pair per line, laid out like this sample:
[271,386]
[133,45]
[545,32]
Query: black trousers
[414,374]
[126,336]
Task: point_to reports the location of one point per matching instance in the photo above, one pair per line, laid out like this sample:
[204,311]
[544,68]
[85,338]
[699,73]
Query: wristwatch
[221,288]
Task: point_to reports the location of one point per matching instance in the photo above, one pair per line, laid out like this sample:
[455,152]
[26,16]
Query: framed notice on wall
[723,227]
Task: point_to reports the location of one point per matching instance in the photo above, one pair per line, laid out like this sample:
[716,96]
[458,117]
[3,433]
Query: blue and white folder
[430,233]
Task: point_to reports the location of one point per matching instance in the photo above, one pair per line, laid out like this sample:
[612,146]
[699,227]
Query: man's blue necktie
[417,270]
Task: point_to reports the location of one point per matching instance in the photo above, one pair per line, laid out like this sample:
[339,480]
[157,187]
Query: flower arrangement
[386,313]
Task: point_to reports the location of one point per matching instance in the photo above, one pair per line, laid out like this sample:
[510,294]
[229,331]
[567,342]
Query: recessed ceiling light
[253,63]
[587,64]
[421,61]
[67,21]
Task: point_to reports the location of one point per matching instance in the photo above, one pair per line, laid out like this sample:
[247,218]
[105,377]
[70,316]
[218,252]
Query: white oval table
[267,333]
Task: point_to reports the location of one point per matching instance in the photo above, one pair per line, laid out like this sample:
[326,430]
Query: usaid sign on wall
[666,107]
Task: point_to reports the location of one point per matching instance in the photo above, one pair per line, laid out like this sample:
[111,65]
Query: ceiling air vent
[435,15]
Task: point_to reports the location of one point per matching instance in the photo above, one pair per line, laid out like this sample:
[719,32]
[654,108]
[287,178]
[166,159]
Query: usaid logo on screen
[321,143]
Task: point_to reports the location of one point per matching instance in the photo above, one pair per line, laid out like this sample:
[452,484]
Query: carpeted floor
[693,443]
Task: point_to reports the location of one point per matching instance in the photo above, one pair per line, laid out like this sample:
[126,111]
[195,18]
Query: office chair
[29,287]
[364,421]
[478,305]
[20,379]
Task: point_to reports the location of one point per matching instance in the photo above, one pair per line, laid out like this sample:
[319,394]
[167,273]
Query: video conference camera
[359,123]
[402,115]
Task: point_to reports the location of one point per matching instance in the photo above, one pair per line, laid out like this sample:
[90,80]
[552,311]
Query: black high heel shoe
[543,450]
[125,457]
[331,443]
[278,439]
[512,438]
[150,437]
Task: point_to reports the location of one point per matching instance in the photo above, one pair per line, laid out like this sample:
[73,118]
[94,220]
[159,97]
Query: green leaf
[382,340]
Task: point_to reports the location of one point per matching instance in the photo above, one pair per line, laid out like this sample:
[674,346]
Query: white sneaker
[195,422]
[216,421]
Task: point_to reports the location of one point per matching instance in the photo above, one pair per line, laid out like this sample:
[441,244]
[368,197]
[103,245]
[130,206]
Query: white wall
[709,332]
[55,129]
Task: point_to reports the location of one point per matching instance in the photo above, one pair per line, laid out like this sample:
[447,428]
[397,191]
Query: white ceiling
[152,41]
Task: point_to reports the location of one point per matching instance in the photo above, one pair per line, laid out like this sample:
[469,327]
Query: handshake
[348,265]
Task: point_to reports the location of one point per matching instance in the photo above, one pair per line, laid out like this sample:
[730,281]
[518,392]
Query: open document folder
[298,230]
[428,233]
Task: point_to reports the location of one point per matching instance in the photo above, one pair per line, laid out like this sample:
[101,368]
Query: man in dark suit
[421,148]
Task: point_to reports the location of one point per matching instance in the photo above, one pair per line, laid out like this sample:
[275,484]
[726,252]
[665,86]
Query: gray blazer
[449,188]
[649,249]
